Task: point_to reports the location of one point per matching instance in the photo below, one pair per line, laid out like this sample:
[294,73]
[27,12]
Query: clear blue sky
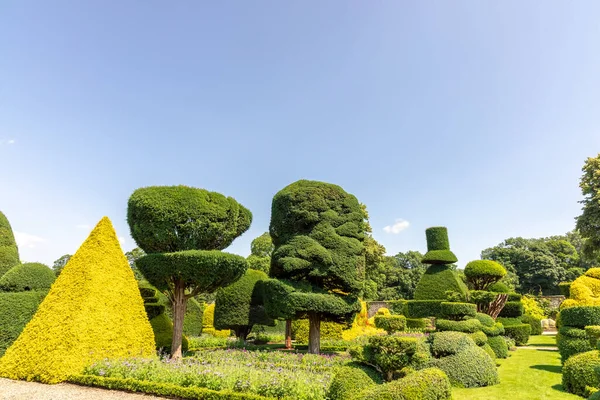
[477,115]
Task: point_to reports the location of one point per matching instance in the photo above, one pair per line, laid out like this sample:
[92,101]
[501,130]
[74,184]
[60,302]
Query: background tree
[59,264]
[402,274]
[9,252]
[588,223]
[239,306]
[132,256]
[538,265]
[261,249]
[183,230]
[319,264]
[375,262]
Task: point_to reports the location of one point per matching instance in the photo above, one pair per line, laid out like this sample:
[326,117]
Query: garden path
[20,390]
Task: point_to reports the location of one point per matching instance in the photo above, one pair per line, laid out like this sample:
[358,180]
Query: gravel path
[20,390]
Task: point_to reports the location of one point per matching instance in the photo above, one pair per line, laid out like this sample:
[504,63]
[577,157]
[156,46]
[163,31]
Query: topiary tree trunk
[314,333]
[288,334]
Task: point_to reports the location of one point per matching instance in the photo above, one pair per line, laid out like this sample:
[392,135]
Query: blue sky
[477,115]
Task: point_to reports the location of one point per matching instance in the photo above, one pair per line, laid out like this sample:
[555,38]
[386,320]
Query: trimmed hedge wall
[457,311]
[16,310]
[390,323]
[398,306]
[580,316]
[512,309]
[416,323]
[160,389]
[520,333]
[423,308]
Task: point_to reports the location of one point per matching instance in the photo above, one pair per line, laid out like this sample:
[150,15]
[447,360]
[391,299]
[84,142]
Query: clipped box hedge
[416,323]
[580,316]
[512,309]
[423,308]
[520,333]
[390,323]
[456,311]
[469,326]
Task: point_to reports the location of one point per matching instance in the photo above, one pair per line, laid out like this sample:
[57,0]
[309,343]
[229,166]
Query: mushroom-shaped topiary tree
[183,230]
[9,253]
[318,231]
[483,278]
[239,306]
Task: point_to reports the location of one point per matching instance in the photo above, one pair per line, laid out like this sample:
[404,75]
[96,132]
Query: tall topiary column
[183,230]
[318,263]
[9,253]
[440,277]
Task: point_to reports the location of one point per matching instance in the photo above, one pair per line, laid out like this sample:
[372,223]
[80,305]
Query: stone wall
[373,306]
[554,300]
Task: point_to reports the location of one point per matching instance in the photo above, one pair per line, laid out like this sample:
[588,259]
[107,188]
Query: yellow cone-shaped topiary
[93,311]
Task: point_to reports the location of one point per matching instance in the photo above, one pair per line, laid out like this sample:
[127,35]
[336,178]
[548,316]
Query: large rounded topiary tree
[239,306]
[183,230]
[318,263]
[9,253]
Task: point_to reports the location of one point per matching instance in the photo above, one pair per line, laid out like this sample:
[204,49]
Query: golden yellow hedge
[208,321]
[93,311]
[585,290]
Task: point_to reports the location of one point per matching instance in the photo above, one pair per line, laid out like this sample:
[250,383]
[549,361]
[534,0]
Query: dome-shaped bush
[483,273]
[579,372]
[28,276]
[349,380]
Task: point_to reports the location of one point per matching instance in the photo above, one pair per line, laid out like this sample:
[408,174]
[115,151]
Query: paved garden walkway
[19,390]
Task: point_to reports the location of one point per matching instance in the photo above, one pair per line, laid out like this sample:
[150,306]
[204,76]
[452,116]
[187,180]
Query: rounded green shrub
[423,308]
[192,322]
[426,384]
[389,353]
[465,363]
[469,326]
[512,309]
[593,334]
[479,338]
[565,289]
[350,380]
[579,372]
[499,346]
[177,218]
[520,333]
[488,349]
[457,311]
[580,316]
[26,277]
[9,252]
[390,323]
[499,287]
[438,247]
[571,341]
[485,319]
[329,331]
[491,331]
[535,323]
[482,273]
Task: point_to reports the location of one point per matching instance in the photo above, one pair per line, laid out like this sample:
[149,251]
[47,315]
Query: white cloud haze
[26,240]
[397,227]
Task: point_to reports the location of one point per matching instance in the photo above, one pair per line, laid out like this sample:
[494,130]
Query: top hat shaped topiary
[438,247]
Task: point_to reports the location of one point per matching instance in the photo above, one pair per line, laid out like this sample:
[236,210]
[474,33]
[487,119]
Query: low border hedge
[161,389]
[417,323]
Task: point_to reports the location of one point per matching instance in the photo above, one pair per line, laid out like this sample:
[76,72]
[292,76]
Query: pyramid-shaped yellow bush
[93,311]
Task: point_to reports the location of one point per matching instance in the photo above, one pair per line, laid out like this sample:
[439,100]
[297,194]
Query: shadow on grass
[550,368]
[559,388]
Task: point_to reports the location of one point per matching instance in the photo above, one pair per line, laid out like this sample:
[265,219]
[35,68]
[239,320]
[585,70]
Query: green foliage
[177,218]
[589,221]
[479,338]
[499,287]
[59,264]
[400,276]
[465,363]
[593,334]
[261,249]
[28,276]
[468,326]
[423,308]
[163,333]
[488,349]
[565,289]
[514,297]
[438,247]
[512,309]
[532,307]
[509,321]
[350,380]
[17,309]
[520,333]
[437,280]
[9,253]
[416,323]
[239,306]
[387,353]
[426,384]
[329,330]
[398,306]
[202,270]
[571,341]
[535,323]
[580,316]
[481,274]
[496,330]
[485,319]
[160,389]
[390,323]
[579,372]
[192,322]
[499,346]
[262,264]
[457,311]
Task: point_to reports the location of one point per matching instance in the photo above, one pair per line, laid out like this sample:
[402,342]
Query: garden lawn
[526,375]
[542,341]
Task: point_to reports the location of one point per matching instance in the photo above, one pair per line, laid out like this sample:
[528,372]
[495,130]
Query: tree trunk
[179,307]
[288,334]
[314,334]
[242,332]
[496,306]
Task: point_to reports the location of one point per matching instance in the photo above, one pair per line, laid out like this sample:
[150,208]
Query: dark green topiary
[26,277]
[581,372]
[163,333]
[479,338]
[481,274]
[350,380]
[9,252]
[535,323]
[580,316]
[318,231]
[16,310]
[388,353]
[469,326]
[465,363]
[485,319]
[423,308]
[496,330]
[593,334]
[512,309]
[457,311]
[438,247]
[499,287]
[498,345]
[239,306]
[417,323]
[426,384]
[514,297]
[436,281]
[520,333]
[192,323]
[571,341]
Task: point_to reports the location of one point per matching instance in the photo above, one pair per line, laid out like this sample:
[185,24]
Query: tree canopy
[588,223]
[9,253]
[261,249]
